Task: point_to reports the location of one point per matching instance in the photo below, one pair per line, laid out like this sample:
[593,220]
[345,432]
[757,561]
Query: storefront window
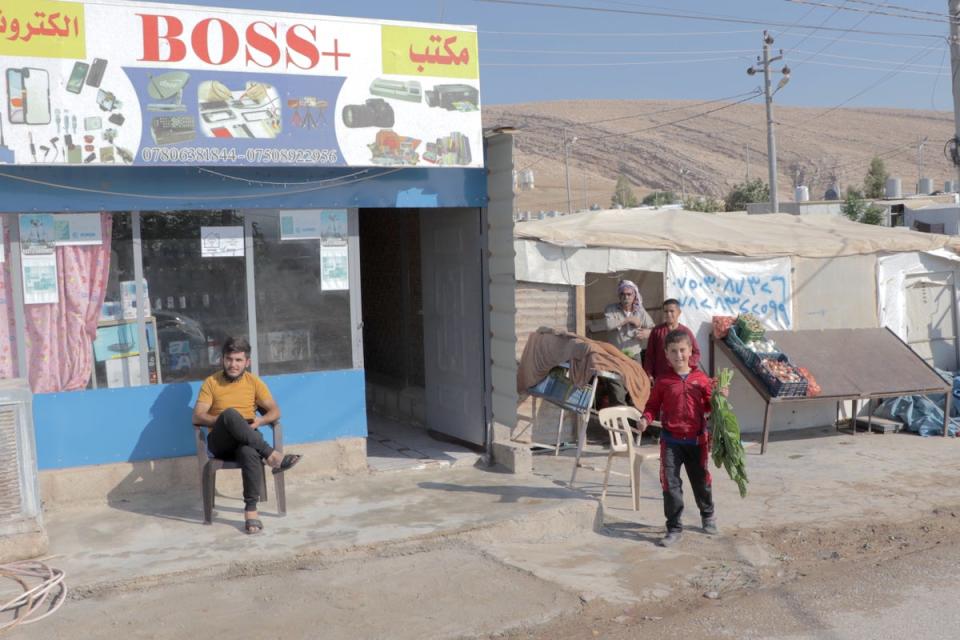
[303,298]
[8,345]
[116,346]
[196,276]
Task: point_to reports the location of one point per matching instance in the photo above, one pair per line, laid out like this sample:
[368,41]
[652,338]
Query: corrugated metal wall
[542,305]
[500,265]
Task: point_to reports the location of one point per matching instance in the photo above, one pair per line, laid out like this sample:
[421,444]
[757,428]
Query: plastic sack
[721,326]
[919,414]
[813,389]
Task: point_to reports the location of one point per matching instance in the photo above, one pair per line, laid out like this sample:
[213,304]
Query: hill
[815,146]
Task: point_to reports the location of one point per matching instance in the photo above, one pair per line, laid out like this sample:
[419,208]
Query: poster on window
[334,270]
[37,233]
[333,226]
[221,242]
[77,228]
[300,225]
[39,278]
[110,83]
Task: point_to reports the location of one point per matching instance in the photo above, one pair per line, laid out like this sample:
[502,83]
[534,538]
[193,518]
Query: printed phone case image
[95,77]
[77,76]
[36,88]
[15,112]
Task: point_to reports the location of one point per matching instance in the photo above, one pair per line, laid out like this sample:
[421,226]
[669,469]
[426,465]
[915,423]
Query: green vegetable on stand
[727,448]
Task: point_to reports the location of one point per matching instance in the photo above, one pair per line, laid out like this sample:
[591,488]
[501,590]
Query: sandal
[253,526]
[288,462]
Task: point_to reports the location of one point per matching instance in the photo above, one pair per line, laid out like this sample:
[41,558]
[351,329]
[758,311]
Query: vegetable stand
[849,364]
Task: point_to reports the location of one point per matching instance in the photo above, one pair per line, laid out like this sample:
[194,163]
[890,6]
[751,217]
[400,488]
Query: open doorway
[421,295]
[600,290]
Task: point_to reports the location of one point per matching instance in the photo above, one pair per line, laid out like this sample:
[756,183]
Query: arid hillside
[714,150]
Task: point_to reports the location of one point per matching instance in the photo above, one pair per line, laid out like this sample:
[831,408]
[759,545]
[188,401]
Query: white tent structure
[793,272]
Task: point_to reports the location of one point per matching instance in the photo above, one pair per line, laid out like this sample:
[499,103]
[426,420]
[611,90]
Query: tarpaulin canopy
[766,235]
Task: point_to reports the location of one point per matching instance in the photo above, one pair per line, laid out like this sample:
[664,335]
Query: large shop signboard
[127,83]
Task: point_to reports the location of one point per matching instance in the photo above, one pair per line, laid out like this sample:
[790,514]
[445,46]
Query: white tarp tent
[793,272]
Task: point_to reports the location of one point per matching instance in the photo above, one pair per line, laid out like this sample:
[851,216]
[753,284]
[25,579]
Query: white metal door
[931,318]
[453,322]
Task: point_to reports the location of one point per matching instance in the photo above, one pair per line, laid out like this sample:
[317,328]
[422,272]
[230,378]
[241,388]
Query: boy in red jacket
[681,399]
[655,357]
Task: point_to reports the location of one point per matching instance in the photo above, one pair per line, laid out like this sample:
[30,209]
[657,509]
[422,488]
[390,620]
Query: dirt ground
[455,589]
[730,598]
[716,150]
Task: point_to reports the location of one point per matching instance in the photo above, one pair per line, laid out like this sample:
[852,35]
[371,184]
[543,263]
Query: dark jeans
[232,439]
[691,456]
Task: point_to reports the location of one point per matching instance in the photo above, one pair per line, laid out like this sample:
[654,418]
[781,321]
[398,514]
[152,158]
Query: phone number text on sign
[257,155]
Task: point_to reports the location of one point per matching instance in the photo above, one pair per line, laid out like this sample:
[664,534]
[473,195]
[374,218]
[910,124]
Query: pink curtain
[8,351]
[60,336]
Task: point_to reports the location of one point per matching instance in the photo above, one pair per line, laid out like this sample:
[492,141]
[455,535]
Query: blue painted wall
[103,426]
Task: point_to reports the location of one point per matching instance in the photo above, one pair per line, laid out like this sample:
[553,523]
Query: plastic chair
[614,420]
[210,465]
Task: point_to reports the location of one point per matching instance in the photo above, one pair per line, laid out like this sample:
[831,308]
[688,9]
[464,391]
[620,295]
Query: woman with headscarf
[626,323]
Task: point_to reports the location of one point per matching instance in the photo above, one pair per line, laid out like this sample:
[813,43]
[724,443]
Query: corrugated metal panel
[543,305]
[499,160]
[10,498]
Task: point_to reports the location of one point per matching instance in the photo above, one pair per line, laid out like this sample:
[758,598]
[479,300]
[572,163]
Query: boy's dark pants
[694,457]
[232,439]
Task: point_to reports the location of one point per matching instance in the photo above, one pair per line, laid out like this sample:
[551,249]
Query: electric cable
[49,592]
[146,196]
[687,16]
[874,11]
[872,85]
[614,34]
[540,65]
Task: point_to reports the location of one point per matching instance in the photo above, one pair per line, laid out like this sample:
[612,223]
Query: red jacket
[681,405]
[655,358]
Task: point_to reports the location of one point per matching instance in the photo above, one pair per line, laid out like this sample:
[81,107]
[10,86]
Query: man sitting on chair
[227,406]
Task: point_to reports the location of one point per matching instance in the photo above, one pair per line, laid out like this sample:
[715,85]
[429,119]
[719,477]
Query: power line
[887,5]
[645,114]
[874,11]
[825,21]
[862,67]
[687,16]
[872,85]
[605,64]
[618,53]
[616,34]
[667,124]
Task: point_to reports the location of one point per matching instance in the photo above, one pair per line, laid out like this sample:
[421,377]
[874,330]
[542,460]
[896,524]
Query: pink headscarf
[637,301]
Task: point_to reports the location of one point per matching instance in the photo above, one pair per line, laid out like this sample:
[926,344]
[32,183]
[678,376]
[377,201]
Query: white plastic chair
[614,420]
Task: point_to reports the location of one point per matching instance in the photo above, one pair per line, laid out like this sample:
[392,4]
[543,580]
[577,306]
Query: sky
[858,53]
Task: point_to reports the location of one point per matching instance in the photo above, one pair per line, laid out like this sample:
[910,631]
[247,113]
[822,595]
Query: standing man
[626,322]
[227,405]
[655,360]
[627,325]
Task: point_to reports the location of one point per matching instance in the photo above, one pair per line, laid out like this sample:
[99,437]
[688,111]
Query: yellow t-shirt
[243,394]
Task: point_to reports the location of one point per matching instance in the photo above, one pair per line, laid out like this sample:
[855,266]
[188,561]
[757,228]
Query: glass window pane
[303,303]
[65,274]
[8,334]
[198,291]
[116,352]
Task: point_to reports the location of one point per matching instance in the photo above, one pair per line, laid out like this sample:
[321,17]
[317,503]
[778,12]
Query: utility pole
[764,66]
[954,11]
[566,166]
[920,143]
[683,185]
[748,163]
